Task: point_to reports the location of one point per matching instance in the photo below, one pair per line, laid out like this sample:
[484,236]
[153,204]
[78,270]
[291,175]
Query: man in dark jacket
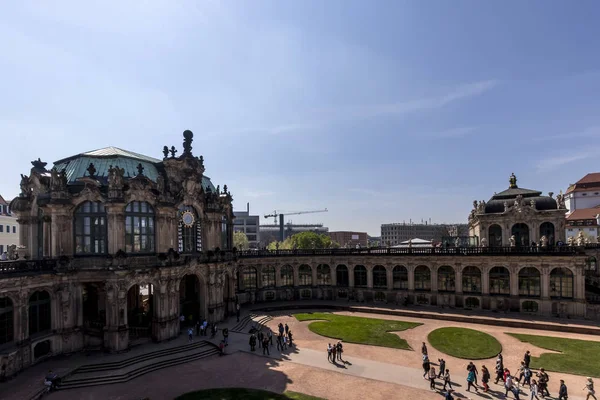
[562,392]
[527,358]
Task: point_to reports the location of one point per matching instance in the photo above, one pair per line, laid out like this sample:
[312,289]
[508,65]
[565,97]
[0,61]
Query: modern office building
[270,232]
[249,225]
[396,233]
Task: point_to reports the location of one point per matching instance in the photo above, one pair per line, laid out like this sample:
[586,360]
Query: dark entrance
[140,310]
[521,233]
[189,299]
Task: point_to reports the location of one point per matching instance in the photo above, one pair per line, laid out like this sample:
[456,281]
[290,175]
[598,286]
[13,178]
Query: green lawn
[464,343]
[579,357]
[243,394]
[357,329]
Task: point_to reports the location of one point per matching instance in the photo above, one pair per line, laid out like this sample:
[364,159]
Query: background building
[350,239]
[396,233]
[249,224]
[582,199]
[9,228]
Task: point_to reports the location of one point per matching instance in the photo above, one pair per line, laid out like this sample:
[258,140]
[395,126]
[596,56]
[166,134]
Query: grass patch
[578,357]
[464,343]
[358,329]
[243,394]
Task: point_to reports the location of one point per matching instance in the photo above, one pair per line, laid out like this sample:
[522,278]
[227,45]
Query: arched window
[521,233]
[360,276]
[342,276]
[400,277]
[323,274]
[139,227]
[529,282]
[471,280]
[547,229]
[250,278]
[7,329]
[379,277]
[305,275]
[287,275]
[446,279]
[268,277]
[39,312]
[90,228]
[591,266]
[495,236]
[189,230]
[561,283]
[422,278]
[499,281]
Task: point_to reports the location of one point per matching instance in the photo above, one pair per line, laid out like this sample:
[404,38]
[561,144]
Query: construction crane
[282,217]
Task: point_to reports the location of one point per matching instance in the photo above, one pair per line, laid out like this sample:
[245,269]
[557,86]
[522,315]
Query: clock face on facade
[187,219]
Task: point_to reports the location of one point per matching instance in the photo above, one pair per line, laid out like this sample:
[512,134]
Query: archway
[140,311]
[342,276]
[547,229]
[94,312]
[521,233]
[40,315]
[190,300]
[495,236]
[7,329]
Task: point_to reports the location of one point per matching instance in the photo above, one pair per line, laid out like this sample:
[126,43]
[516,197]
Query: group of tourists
[265,339]
[334,353]
[511,382]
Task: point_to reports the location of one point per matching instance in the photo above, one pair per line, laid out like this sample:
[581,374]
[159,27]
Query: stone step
[125,370]
[252,319]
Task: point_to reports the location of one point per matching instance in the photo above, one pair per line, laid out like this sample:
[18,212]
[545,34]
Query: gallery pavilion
[119,246]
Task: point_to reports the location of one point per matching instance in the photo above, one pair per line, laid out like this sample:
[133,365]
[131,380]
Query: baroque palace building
[119,246]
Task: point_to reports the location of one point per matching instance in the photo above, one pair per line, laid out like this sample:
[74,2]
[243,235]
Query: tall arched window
[521,233]
[561,283]
[547,229]
[499,281]
[400,277]
[139,227]
[422,278]
[90,228]
[446,279]
[360,276]
[495,236]
[7,329]
[189,230]
[39,312]
[323,275]
[471,280]
[250,278]
[529,282]
[342,276]
[287,275]
[379,277]
[305,275]
[268,277]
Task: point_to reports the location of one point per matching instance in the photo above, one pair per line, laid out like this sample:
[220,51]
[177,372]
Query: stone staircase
[133,367]
[248,321]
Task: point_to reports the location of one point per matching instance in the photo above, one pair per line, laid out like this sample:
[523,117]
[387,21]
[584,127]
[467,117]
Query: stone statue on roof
[58,180]
[24,185]
[481,207]
[560,201]
[115,178]
[512,241]
[513,181]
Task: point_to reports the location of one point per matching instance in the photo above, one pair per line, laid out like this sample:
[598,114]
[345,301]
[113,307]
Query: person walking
[424,349]
[329,352]
[589,387]
[447,380]
[442,367]
[290,338]
[252,342]
[499,368]
[270,336]
[280,326]
[448,395]
[198,324]
[533,389]
[190,334]
[472,366]
[471,380]
[237,311]
[340,350]
[562,391]
[265,346]
[260,337]
[527,358]
[432,376]
[226,336]
[280,342]
[543,379]
[521,372]
[485,378]
[333,352]
[508,385]
[426,366]
[287,329]
[527,376]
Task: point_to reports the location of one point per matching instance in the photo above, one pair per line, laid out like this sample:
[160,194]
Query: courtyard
[381,370]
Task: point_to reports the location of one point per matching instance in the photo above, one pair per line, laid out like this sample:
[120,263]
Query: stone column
[333,272]
[485,280]
[25,235]
[579,283]
[314,267]
[411,277]
[229,234]
[390,276]
[62,233]
[458,279]
[369,268]
[47,237]
[545,282]
[116,334]
[277,276]
[514,280]
[115,228]
[434,278]
[350,276]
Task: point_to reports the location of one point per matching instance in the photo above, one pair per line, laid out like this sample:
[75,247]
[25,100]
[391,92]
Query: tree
[304,240]
[240,241]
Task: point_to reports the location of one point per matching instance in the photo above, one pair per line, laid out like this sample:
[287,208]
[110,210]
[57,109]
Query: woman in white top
[534,390]
[589,386]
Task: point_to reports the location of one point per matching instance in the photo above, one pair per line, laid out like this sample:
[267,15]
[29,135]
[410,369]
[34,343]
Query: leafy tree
[304,240]
[240,241]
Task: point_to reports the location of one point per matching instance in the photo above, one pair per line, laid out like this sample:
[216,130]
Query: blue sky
[380,111]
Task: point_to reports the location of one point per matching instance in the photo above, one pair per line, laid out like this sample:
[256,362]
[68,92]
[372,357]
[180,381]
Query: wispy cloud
[552,163]
[448,134]
[368,192]
[255,195]
[592,131]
